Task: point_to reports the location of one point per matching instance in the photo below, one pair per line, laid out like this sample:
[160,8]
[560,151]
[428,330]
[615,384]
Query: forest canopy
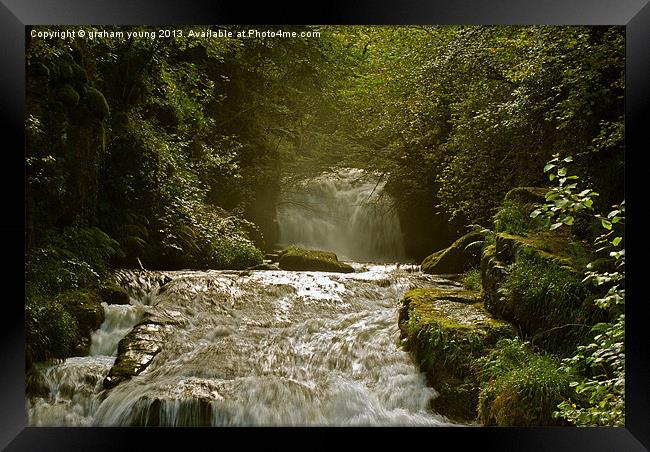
[168,148]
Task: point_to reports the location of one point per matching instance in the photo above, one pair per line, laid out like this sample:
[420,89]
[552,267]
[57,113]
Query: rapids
[251,348]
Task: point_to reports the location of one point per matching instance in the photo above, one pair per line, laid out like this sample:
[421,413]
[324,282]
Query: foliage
[50,331]
[599,397]
[520,387]
[471,279]
[514,217]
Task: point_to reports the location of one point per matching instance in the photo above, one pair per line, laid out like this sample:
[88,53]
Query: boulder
[462,255]
[111,293]
[301,259]
[447,330]
[547,246]
[527,195]
[136,351]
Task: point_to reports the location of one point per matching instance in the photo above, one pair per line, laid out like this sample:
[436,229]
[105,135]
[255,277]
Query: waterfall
[251,348]
[347,212]
[68,393]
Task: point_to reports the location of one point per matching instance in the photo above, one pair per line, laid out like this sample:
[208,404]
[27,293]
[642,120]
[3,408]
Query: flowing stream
[263,347]
[252,348]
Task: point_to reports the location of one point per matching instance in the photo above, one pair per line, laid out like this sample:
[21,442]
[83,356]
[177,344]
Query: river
[251,348]
[263,347]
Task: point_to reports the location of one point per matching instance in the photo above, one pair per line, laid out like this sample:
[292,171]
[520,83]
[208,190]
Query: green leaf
[568,220]
[568,159]
[549,167]
[562,171]
[535,213]
[616,241]
[588,203]
[606,224]
[556,225]
[551,176]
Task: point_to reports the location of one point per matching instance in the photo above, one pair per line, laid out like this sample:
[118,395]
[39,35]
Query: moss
[520,387]
[462,255]
[456,398]
[111,293]
[96,103]
[549,245]
[294,258]
[527,195]
[447,331]
[67,95]
[86,307]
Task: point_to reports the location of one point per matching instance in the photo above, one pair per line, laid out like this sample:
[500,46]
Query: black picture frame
[16,14]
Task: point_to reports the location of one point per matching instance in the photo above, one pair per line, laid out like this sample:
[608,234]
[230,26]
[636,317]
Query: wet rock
[447,331]
[136,351]
[463,254]
[300,259]
[264,266]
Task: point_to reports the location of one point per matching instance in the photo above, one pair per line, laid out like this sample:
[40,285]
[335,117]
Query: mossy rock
[447,331]
[493,273]
[462,255]
[79,76]
[67,95]
[86,307]
[457,398]
[527,195]
[111,293]
[65,71]
[96,103]
[547,246]
[300,259]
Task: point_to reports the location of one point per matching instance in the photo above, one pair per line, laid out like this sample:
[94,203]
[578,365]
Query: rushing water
[346,212]
[251,348]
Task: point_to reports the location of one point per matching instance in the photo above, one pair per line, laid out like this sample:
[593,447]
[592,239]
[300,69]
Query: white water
[68,393]
[346,212]
[255,348]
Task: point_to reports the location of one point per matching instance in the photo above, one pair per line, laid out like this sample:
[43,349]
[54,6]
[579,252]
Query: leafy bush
[51,332]
[471,279]
[520,387]
[514,217]
[52,270]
